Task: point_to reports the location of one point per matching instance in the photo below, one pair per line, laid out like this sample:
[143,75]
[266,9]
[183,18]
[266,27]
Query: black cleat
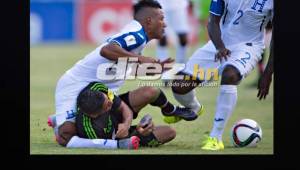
[184,113]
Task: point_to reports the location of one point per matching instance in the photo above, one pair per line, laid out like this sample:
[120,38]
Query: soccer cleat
[213,144]
[145,121]
[182,112]
[51,121]
[175,119]
[129,143]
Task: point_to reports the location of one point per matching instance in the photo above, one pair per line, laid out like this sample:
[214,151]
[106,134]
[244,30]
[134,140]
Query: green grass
[49,61]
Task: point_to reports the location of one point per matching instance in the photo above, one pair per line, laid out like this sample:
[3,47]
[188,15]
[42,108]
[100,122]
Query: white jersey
[173,4]
[243,21]
[131,38]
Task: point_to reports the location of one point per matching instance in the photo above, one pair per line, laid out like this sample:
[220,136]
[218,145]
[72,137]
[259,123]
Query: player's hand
[146,130]
[143,59]
[222,53]
[167,61]
[122,130]
[264,85]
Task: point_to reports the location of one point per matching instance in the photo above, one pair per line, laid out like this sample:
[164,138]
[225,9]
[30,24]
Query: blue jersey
[132,38]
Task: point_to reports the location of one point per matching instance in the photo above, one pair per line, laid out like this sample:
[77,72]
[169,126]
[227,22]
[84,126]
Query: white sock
[77,142]
[188,100]
[181,54]
[162,52]
[225,104]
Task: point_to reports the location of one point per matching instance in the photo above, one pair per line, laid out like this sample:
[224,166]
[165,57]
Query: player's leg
[162,49]
[180,26]
[184,90]
[240,64]
[67,136]
[63,122]
[139,98]
[226,102]
[181,49]
[159,136]
[164,134]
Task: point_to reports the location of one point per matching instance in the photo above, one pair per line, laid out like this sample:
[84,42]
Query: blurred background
[92,21]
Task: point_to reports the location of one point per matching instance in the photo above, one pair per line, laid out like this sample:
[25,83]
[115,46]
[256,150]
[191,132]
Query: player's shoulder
[131,36]
[132,27]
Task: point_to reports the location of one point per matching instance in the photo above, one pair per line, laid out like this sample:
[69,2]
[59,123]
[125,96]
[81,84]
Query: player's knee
[163,41]
[230,76]
[150,92]
[172,134]
[183,39]
[183,86]
[65,132]
[169,135]
[176,88]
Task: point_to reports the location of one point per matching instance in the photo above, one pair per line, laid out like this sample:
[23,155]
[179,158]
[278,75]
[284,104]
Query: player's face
[159,24]
[107,104]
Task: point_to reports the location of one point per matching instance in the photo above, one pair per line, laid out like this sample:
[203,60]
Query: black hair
[145,3]
[90,101]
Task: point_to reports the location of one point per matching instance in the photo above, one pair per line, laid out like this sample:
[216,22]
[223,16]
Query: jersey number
[241,13]
[243,60]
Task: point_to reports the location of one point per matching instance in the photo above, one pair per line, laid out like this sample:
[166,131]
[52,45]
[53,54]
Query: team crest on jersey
[130,40]
[259,4]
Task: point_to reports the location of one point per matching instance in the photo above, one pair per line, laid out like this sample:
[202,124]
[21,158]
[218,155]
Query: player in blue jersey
[236,29]
[148,24]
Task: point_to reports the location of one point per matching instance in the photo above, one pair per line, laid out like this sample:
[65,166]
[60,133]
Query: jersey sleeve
[129,41]
[217,7]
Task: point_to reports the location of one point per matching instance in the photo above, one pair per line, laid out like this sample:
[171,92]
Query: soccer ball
[246,133]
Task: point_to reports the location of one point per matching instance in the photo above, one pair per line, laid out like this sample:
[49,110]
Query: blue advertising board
[51,20]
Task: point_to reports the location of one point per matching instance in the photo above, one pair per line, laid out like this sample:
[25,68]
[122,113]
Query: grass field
[49,61]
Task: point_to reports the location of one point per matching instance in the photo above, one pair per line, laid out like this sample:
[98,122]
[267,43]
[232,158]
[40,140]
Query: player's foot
[175,119]
[213,144]
[129,143]
[51,121]
[145,121]
[183,112]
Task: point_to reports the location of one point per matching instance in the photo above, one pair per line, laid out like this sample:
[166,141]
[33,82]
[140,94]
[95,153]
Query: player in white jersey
[176,17]
[236,30]
[148,24]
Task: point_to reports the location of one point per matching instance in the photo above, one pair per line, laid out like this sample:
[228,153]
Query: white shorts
[243,57]
[177,20]
[67,90]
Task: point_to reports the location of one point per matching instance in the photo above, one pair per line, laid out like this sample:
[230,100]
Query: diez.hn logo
[128,68]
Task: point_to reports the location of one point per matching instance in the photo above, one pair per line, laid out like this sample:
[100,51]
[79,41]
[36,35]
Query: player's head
[93,103]
[151,17]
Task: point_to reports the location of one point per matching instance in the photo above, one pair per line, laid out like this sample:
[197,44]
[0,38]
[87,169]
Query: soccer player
[176,17]
[236,29]
[148,24]
[101,115]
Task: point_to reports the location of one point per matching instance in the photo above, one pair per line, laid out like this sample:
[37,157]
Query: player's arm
[214,31]
[127,119]
[266,79]
[113,51]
